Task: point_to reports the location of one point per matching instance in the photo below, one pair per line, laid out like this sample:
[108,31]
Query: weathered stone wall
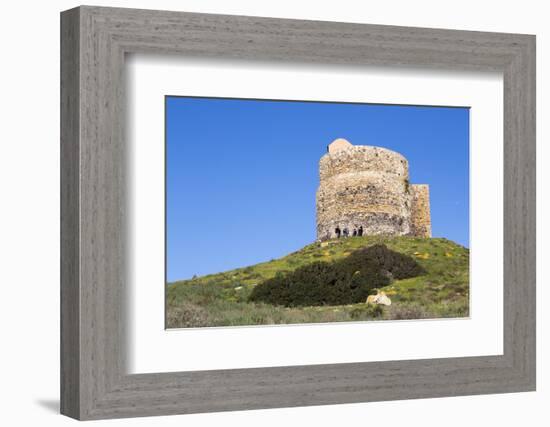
[363,190]
[421,224]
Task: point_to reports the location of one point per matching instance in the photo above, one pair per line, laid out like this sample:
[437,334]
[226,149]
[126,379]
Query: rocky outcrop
[380,298]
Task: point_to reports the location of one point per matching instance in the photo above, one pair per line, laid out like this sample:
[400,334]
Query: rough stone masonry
[365,190]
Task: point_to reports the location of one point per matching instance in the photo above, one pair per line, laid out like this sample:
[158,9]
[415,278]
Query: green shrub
[347,281]
[187,315]
[407,311]
[366,311]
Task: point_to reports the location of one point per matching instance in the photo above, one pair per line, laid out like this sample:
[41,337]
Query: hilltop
[222,299]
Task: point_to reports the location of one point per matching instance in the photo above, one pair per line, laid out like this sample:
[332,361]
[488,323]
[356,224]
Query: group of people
[345,232]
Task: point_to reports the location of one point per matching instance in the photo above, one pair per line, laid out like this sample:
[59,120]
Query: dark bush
[398,265]
[346,281]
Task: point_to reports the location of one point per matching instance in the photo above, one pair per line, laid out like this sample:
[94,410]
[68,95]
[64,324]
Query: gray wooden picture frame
[94,381]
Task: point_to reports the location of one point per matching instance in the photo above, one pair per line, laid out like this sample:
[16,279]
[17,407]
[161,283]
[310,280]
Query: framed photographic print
[261,213]
[372,242]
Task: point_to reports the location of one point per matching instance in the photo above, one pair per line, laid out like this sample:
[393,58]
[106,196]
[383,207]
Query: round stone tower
[365,190]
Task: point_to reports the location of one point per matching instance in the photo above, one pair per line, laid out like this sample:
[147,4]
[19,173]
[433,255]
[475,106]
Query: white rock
[380,298]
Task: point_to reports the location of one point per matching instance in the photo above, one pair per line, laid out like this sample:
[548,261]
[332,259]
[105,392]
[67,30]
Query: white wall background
[29,212]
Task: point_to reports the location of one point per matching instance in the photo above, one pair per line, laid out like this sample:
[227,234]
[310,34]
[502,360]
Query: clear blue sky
[241,175]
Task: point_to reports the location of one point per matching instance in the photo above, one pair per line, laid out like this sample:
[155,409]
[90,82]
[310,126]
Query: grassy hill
[222,299]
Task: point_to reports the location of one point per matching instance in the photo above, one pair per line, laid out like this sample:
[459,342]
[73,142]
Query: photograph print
[296,212]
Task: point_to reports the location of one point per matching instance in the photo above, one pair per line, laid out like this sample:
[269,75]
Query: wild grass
[221,299]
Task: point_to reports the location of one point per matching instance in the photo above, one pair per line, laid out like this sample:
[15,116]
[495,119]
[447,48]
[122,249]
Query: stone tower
[365,190]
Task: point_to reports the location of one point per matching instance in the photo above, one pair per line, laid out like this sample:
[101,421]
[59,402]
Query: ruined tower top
[338,144]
